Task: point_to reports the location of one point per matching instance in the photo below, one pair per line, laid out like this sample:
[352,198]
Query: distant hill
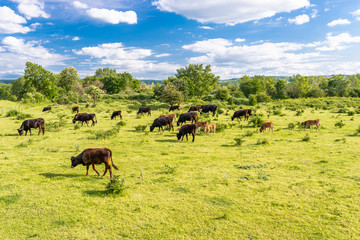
[7,81]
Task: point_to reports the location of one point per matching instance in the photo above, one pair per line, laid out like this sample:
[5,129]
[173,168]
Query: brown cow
[92,156]
[116,113]
[309,123]
[208,127]
[267,125]
[172,115]
[200,124]
[75,109]
[27,125]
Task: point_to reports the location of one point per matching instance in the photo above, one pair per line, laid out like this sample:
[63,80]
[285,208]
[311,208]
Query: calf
[92,156]
[195,108]
[27,125]
[75,109]
[309,123]
[85,118]
[162,121]
[208,127]
[185,130]
[190,116]
[143,110]
[116,113]
[266,125]
[240,113]
[208,108]
[174,107]
[200,124]
[46,109]
[172,115]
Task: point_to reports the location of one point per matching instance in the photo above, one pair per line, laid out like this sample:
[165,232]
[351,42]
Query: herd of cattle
[92,156]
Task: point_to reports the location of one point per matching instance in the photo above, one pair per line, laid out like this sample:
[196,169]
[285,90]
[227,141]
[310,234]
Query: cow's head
[151,128]
[178,136]
[76,161]
[21,131]
[232,118]
[178,124]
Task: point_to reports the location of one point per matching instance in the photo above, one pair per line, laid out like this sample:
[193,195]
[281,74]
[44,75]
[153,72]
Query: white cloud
[229,12]
[75,38]
[80,5]
[314,13]
[129,59]
[338,22]
[206,27]
[16,52]
[299,20]
[338,42]
[356,14]
[112,16]
[240,40]
[284,58]
[11,23]
[32,8]
[162,55]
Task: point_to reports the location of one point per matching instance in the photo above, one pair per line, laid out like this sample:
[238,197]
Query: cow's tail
[95,118]
[112,163]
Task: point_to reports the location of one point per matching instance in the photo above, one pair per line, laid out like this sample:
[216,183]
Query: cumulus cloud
[162,55]
[240,40]
[338,22]
[129,59]
[75,38]
[32,8]
[80,5]
[230,59]
[206,27]
[299,20]
[229,12]
[112,16]
[356,14]
[16,52]
[11,23]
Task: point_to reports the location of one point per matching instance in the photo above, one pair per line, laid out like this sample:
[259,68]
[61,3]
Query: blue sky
[152,38]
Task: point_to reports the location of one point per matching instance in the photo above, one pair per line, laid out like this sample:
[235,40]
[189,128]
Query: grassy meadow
[235,184]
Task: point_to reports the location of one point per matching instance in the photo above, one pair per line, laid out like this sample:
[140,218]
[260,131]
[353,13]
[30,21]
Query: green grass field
[281,185]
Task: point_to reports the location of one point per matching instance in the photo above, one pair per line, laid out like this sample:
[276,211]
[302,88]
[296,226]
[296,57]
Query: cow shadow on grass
[166,140]
[60,175]
[96,193]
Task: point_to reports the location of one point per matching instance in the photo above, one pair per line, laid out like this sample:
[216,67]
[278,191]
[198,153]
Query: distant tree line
[194,81]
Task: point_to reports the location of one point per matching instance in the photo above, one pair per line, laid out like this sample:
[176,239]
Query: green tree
[222,93]
[18,88]
[339,85]
[67,78]
[104,72]
[299,86]
[94,92]
[280,89]
[201,80]
[171,94]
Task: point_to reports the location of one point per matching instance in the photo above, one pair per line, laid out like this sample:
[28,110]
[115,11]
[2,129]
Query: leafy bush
[306,138]
[116,186]
[25,144]
[140,128]
[239,141]
[252,100]
[12,113]
[77,126]
[221,127]
[299,112]
[291,126]
[351,113]
[340,124]
[342,110]
[22,116]
[262,141]
[256,121]
[103,134]
[169,170]
[121,124]
[249,167]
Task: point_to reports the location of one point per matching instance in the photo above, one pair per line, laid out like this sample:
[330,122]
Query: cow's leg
[39,130]
[43,130]
[193,133]
[107,166]
[87,170]
[96,170]
[30,131]
[187,137]
[182,139]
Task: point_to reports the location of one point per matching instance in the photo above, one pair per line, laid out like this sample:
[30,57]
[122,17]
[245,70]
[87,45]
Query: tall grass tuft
[12,113]
[116,186]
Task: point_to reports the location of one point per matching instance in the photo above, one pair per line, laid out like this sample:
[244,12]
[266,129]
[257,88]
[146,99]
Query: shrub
[121,124]
[299,112]
[291,126]
[77,126]
[25,144]
[116,186]
[342,110]
[340,124]
[256,121]
[140,128]
[351,113]
[262,141]
[239,141]
[221,127]
[306,138]
[12,113]
[169,170]
[22,116]
[252,100]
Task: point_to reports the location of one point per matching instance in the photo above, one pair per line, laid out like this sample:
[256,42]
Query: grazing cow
[200,124]
[267,125]
[75,109]
[172,115]
[185,130]
[208,127]
[143,110]
[174,107]
[244,112]
[195,108]
[116,113]
[92,156]
[162,121]
[190,116]
[46,109]
[309,123]
[85,118]
[27,125]
[208,108]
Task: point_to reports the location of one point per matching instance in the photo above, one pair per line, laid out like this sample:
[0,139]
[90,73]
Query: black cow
[174,107]
[195,108]
[209,108]
[189,116]
[162,121]
[143,110]
[92,156]
[85,118]
[32,123]
[75,109]
[185,130]
[46,109]
[244,112]
[116,113]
